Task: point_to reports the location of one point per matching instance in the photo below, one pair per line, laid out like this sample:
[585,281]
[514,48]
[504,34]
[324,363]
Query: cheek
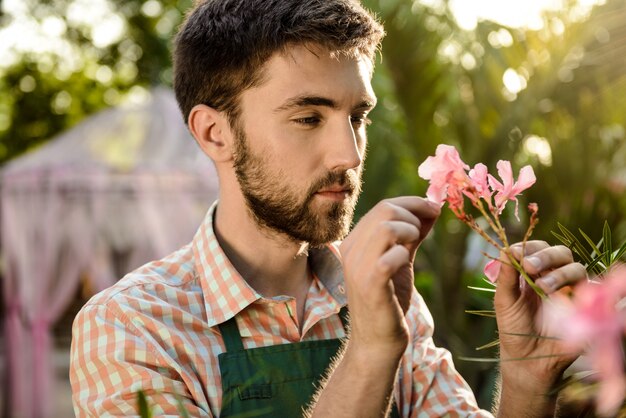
[300,158]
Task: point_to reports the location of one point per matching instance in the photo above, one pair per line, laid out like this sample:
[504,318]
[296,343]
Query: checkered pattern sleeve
[113,361]
[436,389]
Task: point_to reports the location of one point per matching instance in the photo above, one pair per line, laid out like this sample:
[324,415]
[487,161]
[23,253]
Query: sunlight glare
[513,81]
[512,13]
[540,148]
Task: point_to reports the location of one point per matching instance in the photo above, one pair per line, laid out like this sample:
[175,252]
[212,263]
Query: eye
[308,120]
[360,120]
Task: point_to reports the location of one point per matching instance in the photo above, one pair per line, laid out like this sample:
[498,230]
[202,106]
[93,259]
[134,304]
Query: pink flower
[479,176]
[594,320]
[492,270]
[443,170]
[508,189]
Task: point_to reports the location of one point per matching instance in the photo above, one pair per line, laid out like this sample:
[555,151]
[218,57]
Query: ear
[211,130]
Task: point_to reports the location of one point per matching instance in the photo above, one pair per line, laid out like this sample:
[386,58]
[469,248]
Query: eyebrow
[305,100]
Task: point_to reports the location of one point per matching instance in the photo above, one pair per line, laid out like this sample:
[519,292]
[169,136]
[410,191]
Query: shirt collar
[226,293]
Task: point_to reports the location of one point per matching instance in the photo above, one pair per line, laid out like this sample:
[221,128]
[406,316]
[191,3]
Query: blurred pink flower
[492,270]
[443,170]
[509,188]
[594,320]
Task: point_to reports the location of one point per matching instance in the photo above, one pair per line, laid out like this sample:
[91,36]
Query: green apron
[274,381]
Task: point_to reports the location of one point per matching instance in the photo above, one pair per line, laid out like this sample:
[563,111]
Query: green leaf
[597,266]
[181,408]
[489,282]
[492,344]
[619,253]
[479,359]
[608,246]
[142,404]
[482,289]
[596,250]
[495,360]
[487,313]
[536,357]
[561,238]
[541,337]
[575,245]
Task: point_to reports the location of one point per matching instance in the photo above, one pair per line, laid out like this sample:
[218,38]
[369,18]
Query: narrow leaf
[479,359]
[541,337]
[608,245]
[495,360]
[619,253]
[482,289]
[181,408]
[561,238]
[596,266]
[142,404]
[492,344]
[596,250]
[536,357]
[490,283]
[489,314]
[575,245]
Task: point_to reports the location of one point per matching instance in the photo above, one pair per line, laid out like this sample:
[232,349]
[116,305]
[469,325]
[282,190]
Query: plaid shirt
[156,330]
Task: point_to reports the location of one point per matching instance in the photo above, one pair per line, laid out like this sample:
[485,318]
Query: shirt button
[341,289]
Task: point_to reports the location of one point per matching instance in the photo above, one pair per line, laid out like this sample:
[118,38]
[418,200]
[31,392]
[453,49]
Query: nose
[346,147]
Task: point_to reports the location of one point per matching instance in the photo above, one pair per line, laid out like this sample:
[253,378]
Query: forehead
[300,70]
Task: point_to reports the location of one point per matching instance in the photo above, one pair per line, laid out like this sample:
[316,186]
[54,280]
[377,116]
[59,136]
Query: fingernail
[547,283]
[516,251]
[435,206]
[533,261]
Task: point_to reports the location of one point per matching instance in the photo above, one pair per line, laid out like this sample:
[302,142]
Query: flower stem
[523,273]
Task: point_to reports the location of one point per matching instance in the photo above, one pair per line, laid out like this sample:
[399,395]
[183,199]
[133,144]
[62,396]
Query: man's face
[300,143]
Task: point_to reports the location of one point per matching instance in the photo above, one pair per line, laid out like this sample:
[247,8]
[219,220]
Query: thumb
[508,289]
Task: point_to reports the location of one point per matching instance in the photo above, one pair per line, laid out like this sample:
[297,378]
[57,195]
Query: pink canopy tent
[123,187]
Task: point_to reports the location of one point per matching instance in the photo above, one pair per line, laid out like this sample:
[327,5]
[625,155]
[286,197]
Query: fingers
[410,209]
[540,257]
[396,257]
[553,267]
[383,224]
[567,275]
[508,289]
[401,221]
[389,233]
[425,210]
[416,205]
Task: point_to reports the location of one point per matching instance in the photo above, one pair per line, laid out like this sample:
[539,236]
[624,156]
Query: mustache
[348,180]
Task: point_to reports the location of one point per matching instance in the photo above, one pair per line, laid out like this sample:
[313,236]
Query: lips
[336,189]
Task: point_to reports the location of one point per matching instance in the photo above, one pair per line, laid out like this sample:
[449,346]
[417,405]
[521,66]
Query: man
[250,318]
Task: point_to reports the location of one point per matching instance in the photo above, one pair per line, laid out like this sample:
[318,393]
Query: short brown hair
[223,44]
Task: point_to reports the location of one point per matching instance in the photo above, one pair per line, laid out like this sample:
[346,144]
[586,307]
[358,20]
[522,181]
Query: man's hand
[377,260]
[378,269]
[526,384]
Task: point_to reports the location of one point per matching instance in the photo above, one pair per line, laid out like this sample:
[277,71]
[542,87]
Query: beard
[281,207]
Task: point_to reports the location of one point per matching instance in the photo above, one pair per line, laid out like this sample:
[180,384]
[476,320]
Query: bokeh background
[536,82]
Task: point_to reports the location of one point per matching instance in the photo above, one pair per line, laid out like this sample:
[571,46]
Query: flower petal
[479,178]
[506,174]
[525,180]
[492,270]
[425,170]
[436,193]
[496,186]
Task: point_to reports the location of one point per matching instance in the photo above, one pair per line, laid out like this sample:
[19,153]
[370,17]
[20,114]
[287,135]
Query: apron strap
[230,334]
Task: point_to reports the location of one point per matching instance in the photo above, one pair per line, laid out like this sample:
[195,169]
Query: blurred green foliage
[564,113]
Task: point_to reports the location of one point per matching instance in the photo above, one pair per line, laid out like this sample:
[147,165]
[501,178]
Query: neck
[270,262]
